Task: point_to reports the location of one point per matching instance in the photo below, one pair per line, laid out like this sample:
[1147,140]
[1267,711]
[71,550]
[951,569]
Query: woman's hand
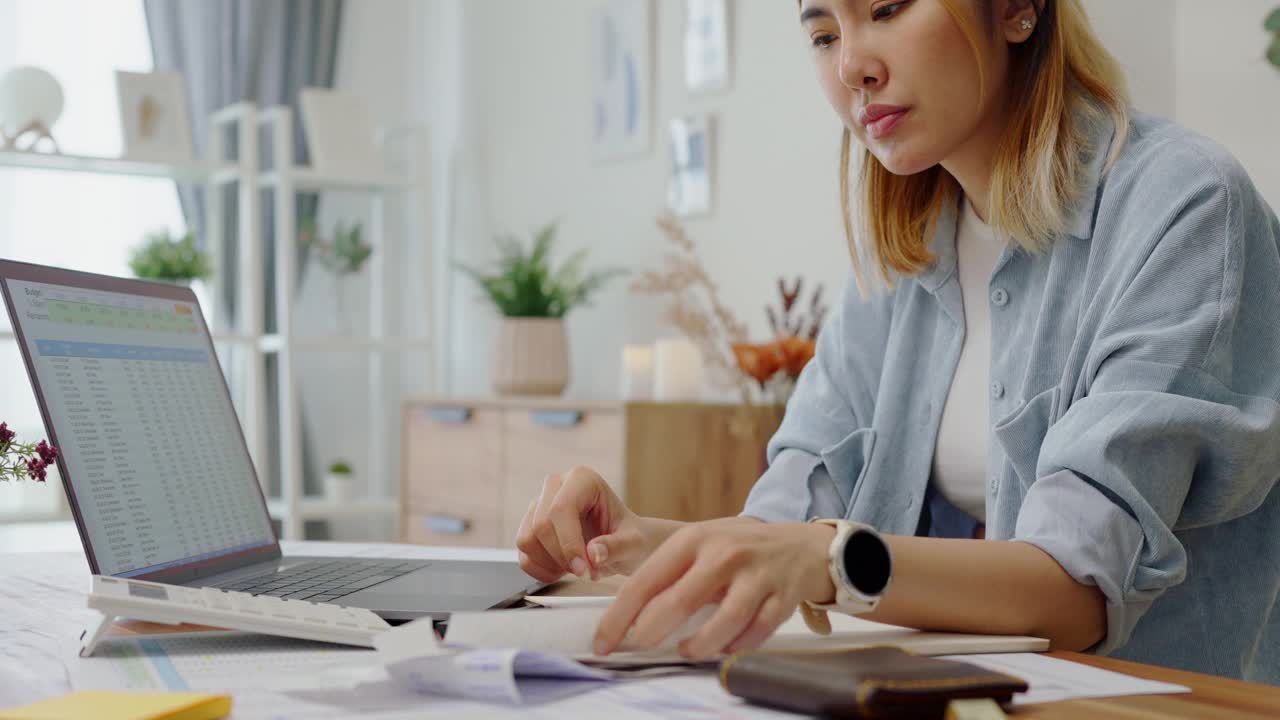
[757,572]
[577,524]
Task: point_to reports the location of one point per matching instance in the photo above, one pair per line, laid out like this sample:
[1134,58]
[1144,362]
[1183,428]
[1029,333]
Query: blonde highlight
[1065,80]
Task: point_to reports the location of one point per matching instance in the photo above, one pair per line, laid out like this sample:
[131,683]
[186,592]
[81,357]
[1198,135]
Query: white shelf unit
[285,180]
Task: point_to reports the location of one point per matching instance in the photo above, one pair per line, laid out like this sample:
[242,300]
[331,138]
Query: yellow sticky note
[112,705]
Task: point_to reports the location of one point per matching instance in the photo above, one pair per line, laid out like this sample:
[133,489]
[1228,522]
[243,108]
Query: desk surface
[1210,696]
[32,665]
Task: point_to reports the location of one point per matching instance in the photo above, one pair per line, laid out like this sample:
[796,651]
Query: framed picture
[621,72]
[689,188]
[154,117]
[706,46]
[340,135]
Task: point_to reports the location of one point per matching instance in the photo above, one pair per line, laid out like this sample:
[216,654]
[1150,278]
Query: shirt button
[1000,297]
[995,484]
[997,390]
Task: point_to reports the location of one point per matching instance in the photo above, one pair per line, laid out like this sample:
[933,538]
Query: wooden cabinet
[472,467]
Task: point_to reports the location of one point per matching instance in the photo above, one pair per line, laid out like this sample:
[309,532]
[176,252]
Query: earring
[1027,24]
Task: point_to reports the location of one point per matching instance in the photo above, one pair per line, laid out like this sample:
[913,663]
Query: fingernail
[577,566]
[599,553]
[601,647]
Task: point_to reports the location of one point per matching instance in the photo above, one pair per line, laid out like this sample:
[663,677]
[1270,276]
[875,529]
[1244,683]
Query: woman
[1074,355]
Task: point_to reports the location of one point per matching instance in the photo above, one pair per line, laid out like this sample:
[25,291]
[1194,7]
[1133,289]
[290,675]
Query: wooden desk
[1210,696]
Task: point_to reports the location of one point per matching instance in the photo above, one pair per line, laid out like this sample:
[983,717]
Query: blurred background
[390,198]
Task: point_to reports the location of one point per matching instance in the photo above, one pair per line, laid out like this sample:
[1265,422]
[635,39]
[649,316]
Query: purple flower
[6,435]
[47,452]
[35,469]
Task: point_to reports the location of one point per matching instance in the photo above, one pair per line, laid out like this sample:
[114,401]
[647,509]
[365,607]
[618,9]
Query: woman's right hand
[577,524]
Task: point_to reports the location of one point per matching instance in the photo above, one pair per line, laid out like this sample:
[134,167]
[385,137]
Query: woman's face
[905,80]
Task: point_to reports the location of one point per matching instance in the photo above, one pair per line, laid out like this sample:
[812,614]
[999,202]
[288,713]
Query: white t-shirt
[960,460]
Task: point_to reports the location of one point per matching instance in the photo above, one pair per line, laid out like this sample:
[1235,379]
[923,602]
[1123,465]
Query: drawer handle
[446,524]
[556,418]
[449,415]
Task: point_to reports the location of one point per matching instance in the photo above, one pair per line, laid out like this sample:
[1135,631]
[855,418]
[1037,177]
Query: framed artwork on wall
[154,117]
[621,78]
[706,46]
[689,187]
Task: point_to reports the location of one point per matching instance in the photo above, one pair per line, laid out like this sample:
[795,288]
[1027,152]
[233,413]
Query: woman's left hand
[758,573]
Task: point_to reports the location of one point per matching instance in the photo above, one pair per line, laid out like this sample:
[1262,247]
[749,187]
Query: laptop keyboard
[322,581]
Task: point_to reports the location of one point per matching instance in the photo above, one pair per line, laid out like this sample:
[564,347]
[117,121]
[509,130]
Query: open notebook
[568,629]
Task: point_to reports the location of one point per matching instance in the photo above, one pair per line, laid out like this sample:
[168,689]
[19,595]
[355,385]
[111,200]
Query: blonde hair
[1060,80]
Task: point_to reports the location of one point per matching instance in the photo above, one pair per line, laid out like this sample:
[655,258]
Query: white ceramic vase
[339,487]
[531,357]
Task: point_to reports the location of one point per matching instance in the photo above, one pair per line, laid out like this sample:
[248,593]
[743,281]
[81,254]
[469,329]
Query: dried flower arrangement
[695,309]
[776,365]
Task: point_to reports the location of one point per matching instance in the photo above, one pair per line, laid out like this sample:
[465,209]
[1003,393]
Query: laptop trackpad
[445,587]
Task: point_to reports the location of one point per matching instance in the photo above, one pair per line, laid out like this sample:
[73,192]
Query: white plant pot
[339,487]
[531,357]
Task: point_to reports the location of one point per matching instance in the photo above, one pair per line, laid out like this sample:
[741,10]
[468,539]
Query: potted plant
[161,256]
[338,482]
[345,255]
[532,349]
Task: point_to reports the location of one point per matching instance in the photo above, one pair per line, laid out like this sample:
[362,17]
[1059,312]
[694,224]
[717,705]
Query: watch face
[866,563]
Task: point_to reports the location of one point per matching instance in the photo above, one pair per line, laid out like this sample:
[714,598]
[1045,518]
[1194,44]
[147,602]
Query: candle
[637,372]
[677,371]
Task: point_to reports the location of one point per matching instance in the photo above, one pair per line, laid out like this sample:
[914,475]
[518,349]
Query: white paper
[554,601]
[569,631]
[414,658]
[1052,679]
[534,655]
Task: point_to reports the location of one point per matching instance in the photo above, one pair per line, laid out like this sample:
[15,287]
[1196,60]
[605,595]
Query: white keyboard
[173,604]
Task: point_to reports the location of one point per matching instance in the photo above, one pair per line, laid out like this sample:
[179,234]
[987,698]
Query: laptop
[155,465]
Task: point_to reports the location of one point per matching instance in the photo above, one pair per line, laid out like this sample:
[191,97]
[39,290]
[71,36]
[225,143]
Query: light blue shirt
[1135,372]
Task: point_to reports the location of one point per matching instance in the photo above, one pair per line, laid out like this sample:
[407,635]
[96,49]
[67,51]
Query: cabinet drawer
[455,524]
[453,454]
[542,442]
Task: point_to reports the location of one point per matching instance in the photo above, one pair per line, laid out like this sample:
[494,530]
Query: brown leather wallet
[872,683]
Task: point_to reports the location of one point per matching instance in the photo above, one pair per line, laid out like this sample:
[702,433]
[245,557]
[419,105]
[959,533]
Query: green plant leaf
[163,257]
[1273,53]
[1272,23]
[524,284]
[542,243]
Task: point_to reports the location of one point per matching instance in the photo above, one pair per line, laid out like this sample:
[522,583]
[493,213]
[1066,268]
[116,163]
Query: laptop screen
[151,448]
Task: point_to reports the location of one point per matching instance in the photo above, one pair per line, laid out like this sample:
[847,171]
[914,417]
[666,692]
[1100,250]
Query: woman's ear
[1018,19]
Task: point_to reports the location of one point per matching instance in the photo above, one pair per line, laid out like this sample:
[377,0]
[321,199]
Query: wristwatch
[860,566]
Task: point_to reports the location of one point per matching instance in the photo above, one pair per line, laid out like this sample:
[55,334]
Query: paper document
[1052,679]
[533,655]
[569,631]
[413,657]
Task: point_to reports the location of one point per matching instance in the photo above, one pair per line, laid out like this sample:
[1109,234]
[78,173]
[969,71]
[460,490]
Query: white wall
[1225,87]
[1140,34]
[775,201]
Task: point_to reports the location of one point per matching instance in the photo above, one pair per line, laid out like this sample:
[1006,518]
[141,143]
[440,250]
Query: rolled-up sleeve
[822,441]
[1172,427]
